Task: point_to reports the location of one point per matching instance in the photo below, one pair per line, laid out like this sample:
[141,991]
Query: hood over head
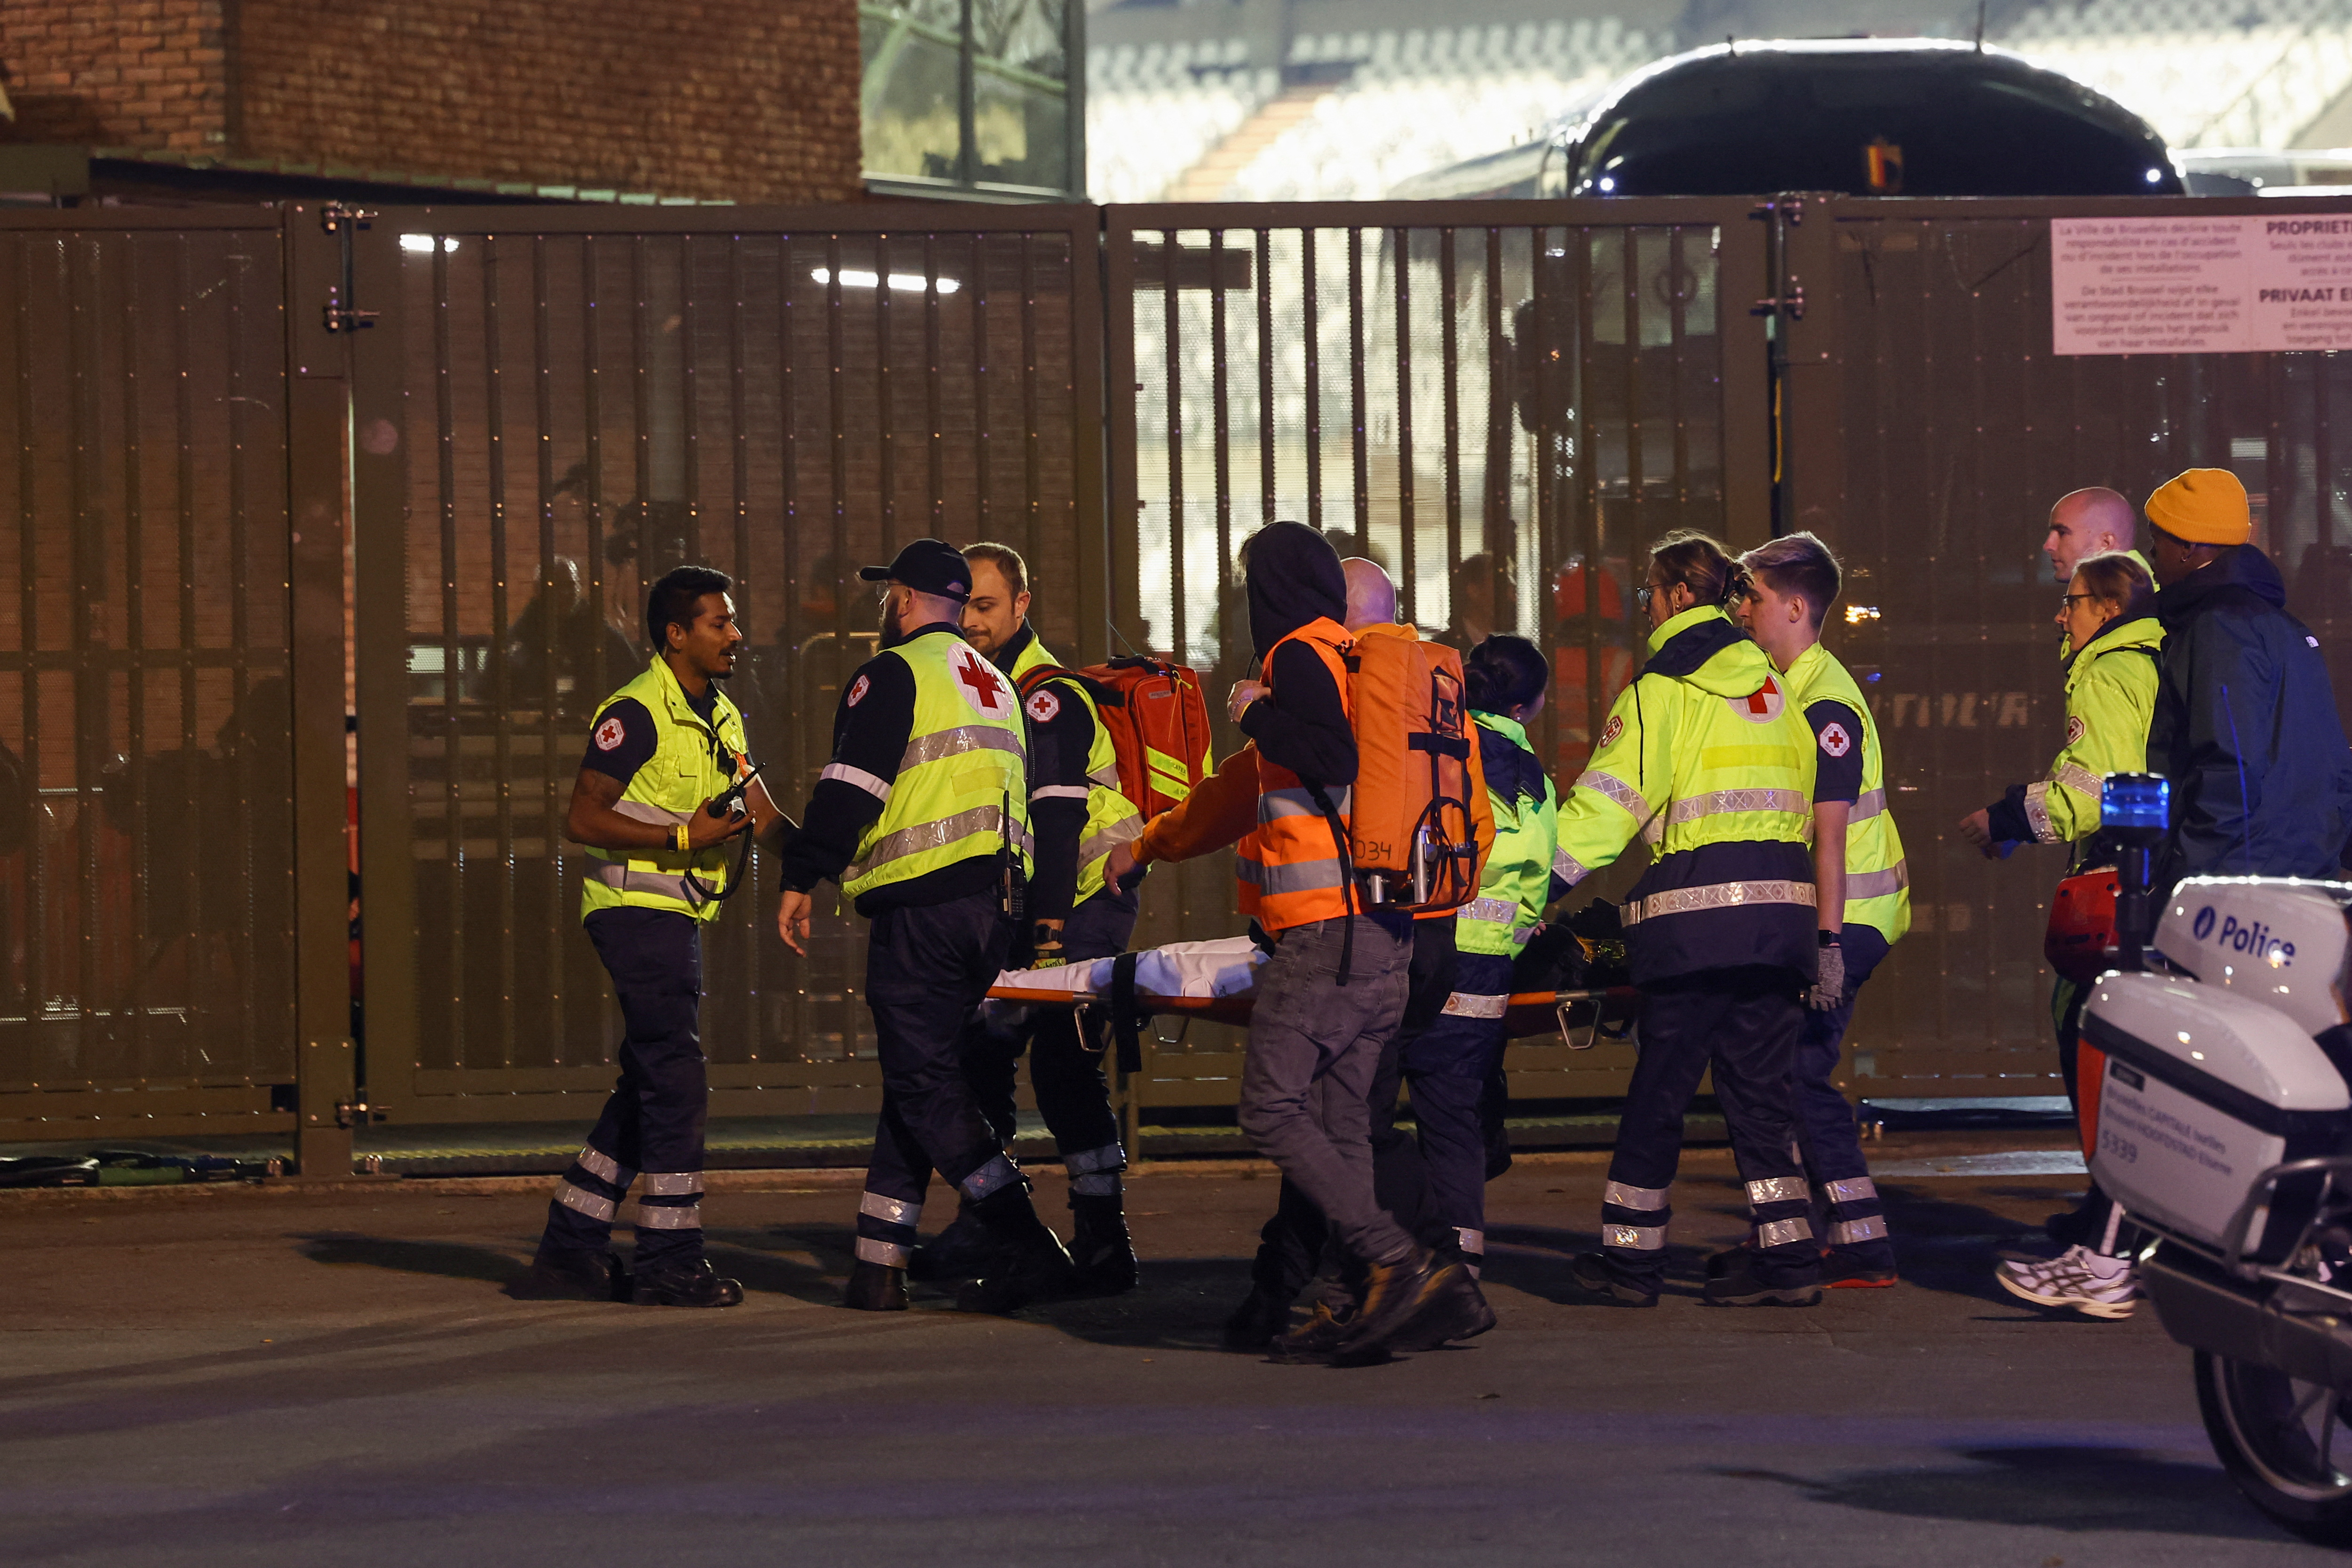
[1294,577]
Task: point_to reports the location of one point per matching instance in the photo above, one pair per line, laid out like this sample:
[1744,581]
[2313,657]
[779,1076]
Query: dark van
[1915,117]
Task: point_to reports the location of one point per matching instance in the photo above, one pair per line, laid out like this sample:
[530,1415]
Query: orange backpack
[1157,721]
[1414,817]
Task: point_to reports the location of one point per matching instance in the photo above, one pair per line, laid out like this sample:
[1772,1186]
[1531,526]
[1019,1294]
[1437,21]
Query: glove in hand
[1829,990]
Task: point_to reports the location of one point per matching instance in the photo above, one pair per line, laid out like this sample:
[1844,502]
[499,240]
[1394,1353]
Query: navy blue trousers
[1829,1137]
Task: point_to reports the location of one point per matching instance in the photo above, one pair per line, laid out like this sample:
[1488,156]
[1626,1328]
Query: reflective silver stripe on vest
[1300,876]
[1718,895]
[1110,1157]
[954,743]
[622,879]
[1107,776]
[879,788]
[1248,870]
[1568,867]
[1877,884]
[1498,912]
[1000,1171]
[1634,1238]
[2075,776]
[1777,1190]
[1624,794]
[889,1253]
[1126,830]
[603,1166]
[1781,1232]
[890,1211]
[1472,1242]
[585,1201]
[672,1183]
[1468,1005]
[1846,1232]
[2037,812]
[646,811]
[661,1216]
[1852,1191]
[1062,792]
[1641,1200]
[934,835]
[1717,802]
[1870,803]
[1275,802]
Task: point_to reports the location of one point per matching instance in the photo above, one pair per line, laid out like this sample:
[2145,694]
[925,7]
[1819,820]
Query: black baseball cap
[928,566]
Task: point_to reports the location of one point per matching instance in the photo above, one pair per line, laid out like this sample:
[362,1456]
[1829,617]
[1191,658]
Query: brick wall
[749,100]
[132,73]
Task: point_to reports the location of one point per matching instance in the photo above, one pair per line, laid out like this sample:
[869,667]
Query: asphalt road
[268,1377]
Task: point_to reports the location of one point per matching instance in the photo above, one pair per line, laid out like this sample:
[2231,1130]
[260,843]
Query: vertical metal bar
[1407,563]
[1033,454]
[551,805]
[1677,416]
[1449,351]
[592,421]
[982,374]
[494,433]
[90,687]
[641,398]
[791,748]
[740,483]
[1636,480]
[689,404]
[1171,358]
[1498,412]
[1219,415]
[1088,359]
[133,653]
[241,878]
[1265,416]
[1360,466]
[836,394]
[203,980]
[1123,522]
[886,349]
[453,672]
[38,902]
[1550,372]
[1311,337]
[935,436]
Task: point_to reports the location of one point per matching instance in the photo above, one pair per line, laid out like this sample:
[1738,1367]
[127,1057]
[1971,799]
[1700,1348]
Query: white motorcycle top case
[2203,1090]
[2279,941]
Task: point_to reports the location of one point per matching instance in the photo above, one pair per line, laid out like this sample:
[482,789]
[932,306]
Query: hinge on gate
[1794,206]
[342,313]
[351,1113]
[1790,304]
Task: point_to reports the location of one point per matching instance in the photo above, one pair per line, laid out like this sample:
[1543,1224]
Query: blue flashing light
[2136,801]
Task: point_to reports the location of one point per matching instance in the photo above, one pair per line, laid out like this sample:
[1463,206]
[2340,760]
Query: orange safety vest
[1292,870]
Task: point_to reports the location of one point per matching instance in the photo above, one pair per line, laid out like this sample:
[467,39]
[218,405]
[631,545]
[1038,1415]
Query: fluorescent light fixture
[908,282]
[422,244]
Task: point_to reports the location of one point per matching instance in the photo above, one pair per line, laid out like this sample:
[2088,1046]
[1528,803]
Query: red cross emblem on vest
[1760,706]
[978,684]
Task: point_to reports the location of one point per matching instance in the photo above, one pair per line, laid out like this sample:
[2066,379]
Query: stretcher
[1217,981]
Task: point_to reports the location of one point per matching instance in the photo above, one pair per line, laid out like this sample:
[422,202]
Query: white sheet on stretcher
[1225,967]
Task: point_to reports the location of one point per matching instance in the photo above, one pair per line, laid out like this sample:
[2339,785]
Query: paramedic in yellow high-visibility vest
[660,750]
[922,818]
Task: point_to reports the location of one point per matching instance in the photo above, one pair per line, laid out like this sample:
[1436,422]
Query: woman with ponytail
[1705,760]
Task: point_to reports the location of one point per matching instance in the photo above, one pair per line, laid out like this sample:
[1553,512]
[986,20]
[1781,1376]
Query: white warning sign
[2201,285]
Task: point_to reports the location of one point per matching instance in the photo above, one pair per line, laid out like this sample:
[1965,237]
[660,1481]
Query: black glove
[1828,989]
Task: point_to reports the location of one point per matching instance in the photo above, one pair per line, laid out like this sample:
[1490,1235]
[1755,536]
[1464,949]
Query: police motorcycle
[2216,1070]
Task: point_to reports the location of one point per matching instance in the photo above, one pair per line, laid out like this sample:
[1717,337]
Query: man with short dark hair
[663,747]
[2245,724]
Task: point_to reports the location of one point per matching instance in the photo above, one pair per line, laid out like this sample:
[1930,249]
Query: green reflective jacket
[688,766]
[1112,819]
[1517,880]
[2110,697]
[1877,880]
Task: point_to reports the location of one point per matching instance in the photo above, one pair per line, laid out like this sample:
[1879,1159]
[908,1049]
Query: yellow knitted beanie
[2203,506]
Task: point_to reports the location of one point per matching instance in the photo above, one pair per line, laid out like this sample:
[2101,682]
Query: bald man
[2086,522]
[1371,597]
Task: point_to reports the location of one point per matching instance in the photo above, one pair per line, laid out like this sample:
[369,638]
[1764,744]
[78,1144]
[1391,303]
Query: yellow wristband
[679,838]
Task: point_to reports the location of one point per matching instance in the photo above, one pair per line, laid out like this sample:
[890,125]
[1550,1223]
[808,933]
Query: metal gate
[172,885]
[570,403]
[1502,402]
[1928,427]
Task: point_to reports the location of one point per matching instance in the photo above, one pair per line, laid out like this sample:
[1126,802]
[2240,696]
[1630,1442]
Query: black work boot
[684,1284]
[1100,1248]
[572,1277]
[1397,1297]
[1731,1281]
[1253,1325]
[965,1250]
[1317,1338]
[1592,1272]
[1031,1263]
[875,1288]
[1462,1313]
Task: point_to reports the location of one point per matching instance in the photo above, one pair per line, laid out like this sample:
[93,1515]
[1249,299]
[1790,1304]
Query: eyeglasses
[2067,601]
[1642,596]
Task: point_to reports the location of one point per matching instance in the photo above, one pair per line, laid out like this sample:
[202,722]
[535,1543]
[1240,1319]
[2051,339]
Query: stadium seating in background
[1150,115]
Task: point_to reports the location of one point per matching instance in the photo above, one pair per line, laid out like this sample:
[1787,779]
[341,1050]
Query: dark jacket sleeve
[1058,747]
[2223,685]
[1303,725]
[870,727]
[2008,819]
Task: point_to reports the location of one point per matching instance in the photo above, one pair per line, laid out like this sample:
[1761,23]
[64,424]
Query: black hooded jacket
[2245,727]
[1294,578]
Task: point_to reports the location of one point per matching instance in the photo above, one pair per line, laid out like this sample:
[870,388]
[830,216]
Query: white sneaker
[2072,1279]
